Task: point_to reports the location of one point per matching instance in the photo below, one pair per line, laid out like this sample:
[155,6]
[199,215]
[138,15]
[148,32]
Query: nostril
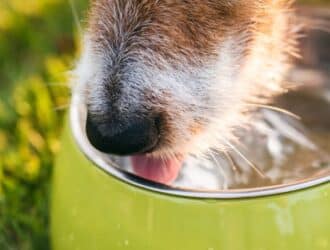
[137,136]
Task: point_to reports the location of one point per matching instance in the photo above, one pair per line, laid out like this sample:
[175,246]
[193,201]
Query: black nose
[137,137]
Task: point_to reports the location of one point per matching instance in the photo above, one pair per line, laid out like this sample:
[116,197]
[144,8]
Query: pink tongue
[156,169]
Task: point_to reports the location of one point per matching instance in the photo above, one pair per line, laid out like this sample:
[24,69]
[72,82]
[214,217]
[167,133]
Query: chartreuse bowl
[96,206]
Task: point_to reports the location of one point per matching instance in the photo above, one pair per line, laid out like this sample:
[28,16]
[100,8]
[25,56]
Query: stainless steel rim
[77,111]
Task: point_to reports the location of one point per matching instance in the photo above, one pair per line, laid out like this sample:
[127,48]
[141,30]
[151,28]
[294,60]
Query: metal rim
[77,110]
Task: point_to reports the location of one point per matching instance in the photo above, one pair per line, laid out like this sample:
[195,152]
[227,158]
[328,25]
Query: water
[278,148]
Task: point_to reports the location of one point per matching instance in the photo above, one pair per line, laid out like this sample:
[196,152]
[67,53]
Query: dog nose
[137,137]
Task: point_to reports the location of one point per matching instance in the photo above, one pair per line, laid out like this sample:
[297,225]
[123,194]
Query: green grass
[37,45]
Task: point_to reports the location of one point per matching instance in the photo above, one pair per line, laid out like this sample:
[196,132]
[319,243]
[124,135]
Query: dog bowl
[97,206]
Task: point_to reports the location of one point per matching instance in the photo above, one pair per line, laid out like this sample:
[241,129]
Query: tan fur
[180,34]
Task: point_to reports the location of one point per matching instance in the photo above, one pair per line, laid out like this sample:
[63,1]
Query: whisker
[225,178]
[62,107]
[176,159]
[231,161]
[315,23]
[113,163]
[280,110]
[57,84]
[75,16]
[258,171]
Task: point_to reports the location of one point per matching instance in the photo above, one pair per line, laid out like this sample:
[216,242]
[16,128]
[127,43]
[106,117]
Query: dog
[164,80]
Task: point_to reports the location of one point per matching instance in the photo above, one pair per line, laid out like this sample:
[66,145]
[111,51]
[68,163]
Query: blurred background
[39,40]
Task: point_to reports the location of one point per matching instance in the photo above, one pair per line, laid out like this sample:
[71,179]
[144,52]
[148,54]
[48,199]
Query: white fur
[219,93]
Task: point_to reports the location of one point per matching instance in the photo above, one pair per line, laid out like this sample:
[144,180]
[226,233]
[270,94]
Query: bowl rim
[77,109]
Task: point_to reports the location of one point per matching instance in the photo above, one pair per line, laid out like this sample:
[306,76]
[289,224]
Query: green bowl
[96,206]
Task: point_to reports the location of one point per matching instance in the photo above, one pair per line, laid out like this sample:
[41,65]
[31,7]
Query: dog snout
[137,136]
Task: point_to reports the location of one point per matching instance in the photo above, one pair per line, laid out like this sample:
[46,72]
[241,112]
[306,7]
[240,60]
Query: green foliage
[36,48]
[29,141]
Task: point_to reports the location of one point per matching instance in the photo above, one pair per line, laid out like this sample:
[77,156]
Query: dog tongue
[158,170]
